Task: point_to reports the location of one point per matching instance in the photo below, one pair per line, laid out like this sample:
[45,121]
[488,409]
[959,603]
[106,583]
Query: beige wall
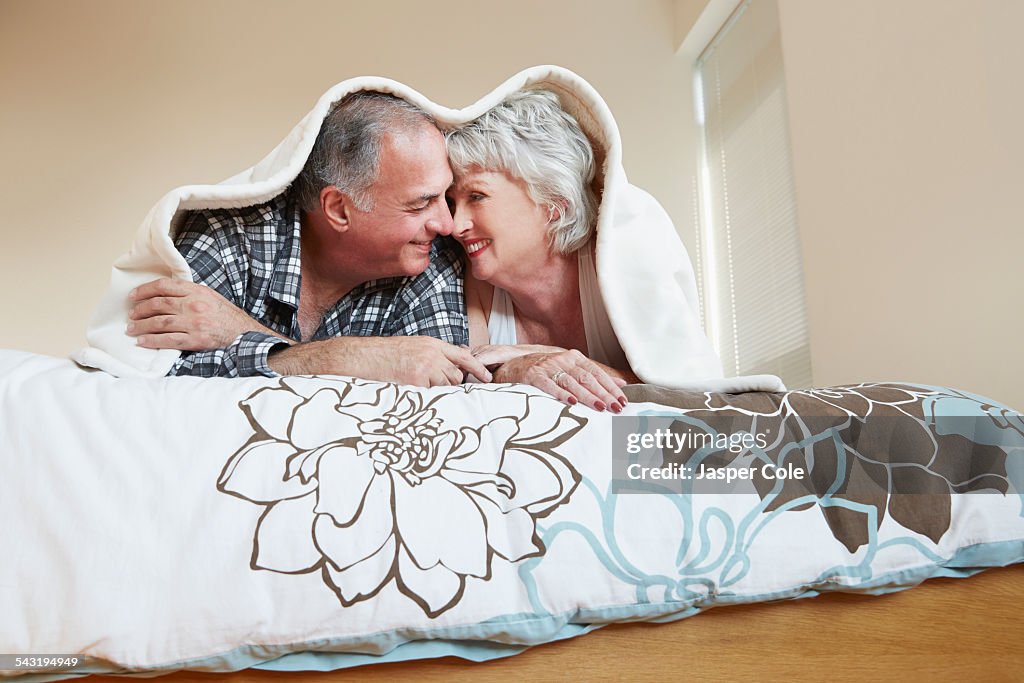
[106,105]
[907,135]
[906,126]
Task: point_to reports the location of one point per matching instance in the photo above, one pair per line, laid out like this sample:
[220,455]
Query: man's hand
[421,361]
[568,376]
[176,314]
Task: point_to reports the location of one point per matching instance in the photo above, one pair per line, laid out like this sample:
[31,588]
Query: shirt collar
[286,280]
[395,282]
[374,286]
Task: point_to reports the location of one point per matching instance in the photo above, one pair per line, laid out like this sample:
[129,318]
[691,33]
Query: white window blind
[751,272]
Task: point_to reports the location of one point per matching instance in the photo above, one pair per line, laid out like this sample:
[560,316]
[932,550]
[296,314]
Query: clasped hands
[182,315]
[566,374]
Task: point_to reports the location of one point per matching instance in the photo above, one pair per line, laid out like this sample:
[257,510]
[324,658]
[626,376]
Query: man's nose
[461,220]
[441,223]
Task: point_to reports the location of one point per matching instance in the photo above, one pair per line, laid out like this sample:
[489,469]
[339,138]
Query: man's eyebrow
[423,199]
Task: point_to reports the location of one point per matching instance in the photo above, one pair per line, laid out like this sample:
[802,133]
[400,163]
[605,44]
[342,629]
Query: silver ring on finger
[558,375]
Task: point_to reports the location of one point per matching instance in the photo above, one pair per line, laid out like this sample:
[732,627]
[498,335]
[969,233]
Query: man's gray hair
[346,153]
[531,137]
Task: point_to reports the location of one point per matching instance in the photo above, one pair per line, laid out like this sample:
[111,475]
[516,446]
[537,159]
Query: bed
[214,525]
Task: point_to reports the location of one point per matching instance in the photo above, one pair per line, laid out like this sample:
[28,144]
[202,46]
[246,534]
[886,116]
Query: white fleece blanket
[215,524]
[645,274]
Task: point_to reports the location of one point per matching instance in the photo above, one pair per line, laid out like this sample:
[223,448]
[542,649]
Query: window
[749,264]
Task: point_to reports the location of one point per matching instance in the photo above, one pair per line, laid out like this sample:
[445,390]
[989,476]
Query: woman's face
[501,228]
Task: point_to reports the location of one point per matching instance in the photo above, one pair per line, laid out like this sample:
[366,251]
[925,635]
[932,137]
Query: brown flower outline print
[371,484]
[879,445]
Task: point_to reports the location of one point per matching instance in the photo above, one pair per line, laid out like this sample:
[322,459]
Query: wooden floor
[943,630]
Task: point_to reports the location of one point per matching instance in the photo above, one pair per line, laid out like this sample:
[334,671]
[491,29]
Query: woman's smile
[474,247]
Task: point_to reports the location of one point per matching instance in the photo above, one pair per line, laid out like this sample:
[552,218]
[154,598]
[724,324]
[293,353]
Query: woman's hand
[568,376]
[497,354]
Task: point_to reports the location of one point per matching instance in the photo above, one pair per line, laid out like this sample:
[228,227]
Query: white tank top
[602,344]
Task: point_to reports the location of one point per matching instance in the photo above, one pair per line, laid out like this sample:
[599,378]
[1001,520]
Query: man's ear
[337,208]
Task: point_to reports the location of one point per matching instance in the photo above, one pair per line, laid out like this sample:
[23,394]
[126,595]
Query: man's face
[409,208]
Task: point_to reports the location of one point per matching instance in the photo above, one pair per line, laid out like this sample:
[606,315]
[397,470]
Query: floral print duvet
[154,525]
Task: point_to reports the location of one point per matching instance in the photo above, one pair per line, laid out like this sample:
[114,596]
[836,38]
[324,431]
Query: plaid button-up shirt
[251,257]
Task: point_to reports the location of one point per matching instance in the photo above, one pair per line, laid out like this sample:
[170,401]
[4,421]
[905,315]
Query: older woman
[525,212]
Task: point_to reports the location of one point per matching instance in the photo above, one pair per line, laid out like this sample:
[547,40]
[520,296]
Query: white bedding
[152,523]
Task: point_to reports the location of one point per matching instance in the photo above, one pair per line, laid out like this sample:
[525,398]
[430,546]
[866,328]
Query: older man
[350,272]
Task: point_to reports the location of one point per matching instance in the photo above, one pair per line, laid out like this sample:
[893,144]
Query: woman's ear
[556,209]
[336,207]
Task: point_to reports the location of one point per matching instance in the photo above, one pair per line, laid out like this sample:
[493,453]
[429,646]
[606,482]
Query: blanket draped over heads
[645,274]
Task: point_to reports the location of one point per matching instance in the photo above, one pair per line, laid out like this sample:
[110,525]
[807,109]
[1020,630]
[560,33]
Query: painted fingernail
[615,408]
[573,401]
[598,405]
[623,401]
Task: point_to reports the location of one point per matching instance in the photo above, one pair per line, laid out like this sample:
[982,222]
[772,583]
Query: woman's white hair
[531,137]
